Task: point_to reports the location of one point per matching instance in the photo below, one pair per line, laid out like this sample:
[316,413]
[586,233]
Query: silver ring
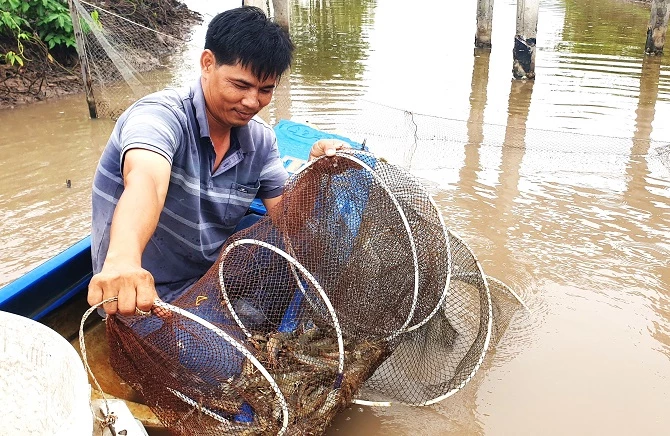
[139,312]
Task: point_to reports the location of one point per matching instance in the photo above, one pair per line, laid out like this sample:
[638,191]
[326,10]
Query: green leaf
[13,58]
[49,18]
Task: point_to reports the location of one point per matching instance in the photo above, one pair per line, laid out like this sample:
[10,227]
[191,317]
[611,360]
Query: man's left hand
[326,147]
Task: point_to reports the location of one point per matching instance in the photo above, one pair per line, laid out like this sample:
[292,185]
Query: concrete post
[282,12]
[484,23]
[658,25]
[261,4]
[83,61]
[525,38]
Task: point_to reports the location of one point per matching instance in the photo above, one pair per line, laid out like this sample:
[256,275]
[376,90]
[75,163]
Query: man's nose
[250,99]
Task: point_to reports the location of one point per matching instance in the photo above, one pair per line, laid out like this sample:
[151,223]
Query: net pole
[83,60]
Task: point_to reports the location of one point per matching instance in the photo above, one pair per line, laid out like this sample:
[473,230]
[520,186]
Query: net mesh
[127,58]
[428,144]
[352,289]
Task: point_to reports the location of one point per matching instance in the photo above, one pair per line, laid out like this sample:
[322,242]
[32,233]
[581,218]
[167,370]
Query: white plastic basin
[44,387]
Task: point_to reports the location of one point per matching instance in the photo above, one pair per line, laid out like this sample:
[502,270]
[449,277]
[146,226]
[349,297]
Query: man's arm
[271,203]
[146,176]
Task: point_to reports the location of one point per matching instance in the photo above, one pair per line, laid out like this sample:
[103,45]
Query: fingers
[127,299]
[133,289]
[326,147]
[110,308]
[98,291]
[146,293]
[94,292]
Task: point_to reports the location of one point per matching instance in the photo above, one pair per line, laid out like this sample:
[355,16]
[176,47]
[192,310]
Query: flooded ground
[561,186]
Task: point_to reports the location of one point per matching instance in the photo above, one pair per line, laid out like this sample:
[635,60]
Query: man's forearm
[135,218]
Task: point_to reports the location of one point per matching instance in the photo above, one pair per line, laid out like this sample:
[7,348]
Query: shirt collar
[243,133]
[200,109]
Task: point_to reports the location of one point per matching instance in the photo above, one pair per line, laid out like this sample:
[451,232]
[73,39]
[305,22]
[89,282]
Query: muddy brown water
[561,186]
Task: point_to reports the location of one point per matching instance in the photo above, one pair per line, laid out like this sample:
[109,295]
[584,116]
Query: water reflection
[507,192]
[329,39]
[478,87]
[646,106]
[605,27]
[331,51]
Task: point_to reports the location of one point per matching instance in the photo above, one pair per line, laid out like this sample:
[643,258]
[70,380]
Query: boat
[54,293]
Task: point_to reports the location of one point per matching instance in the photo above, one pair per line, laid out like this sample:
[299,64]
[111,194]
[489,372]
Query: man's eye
[239,85]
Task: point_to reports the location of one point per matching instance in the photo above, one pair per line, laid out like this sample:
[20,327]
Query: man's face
[233,95]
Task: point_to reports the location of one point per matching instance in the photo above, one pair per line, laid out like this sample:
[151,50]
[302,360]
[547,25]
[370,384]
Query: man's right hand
[146,176]
[133,285]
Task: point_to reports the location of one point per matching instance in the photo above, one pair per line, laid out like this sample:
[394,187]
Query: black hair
[246,35]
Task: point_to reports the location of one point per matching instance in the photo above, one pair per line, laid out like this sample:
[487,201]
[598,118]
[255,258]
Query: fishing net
[125,48]
[437,148]
[351,290]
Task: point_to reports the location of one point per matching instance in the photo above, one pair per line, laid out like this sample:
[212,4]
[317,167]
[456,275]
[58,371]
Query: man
[182,167]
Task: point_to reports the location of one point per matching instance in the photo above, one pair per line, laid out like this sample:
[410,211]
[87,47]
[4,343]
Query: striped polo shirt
[202,208]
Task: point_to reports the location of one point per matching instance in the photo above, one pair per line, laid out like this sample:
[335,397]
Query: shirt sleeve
[151,126]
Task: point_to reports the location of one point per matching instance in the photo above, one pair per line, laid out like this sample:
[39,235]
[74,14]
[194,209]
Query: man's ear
[207,61]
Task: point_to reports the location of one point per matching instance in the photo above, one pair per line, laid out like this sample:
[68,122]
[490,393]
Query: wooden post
[282,12]
[83,60]
[525,39]
[658,25]
[484,23]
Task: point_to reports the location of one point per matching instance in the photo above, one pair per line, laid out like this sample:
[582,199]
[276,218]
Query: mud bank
[43,77]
